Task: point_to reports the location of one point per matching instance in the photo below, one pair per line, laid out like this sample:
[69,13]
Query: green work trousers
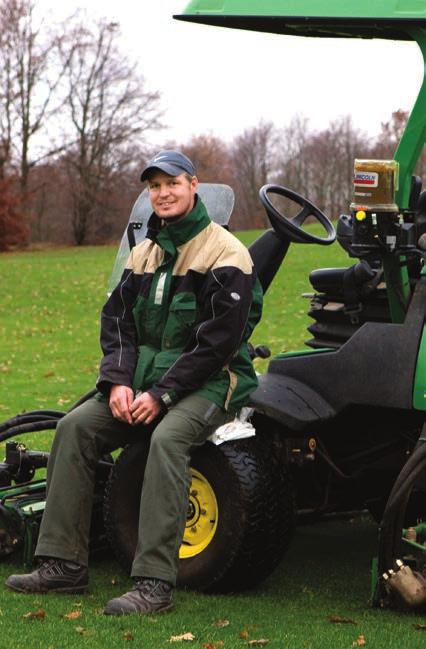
[82,437]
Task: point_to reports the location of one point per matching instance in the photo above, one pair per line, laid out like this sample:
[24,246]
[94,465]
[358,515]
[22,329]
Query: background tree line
[76,120]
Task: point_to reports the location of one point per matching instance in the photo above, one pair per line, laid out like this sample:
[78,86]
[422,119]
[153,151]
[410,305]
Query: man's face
[171,196]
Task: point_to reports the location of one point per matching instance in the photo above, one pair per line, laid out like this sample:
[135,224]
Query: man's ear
[194,182]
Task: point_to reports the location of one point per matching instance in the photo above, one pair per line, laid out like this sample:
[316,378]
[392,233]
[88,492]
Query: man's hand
[144,409]
[120,400]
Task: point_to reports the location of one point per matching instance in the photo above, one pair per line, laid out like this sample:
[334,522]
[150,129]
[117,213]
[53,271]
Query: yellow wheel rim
[202,517]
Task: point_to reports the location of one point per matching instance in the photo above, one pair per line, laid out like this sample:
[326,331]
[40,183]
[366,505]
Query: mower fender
[291,402]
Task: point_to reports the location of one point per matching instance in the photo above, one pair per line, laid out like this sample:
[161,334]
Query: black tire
[405,508]
[248,535]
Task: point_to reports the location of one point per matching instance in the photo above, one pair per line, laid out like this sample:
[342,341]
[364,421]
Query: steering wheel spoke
[301,217]
[291,229]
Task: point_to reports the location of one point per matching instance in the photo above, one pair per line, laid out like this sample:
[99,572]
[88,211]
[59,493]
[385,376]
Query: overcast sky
[220,81]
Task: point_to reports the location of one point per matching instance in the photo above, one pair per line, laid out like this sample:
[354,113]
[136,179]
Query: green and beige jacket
[179,320]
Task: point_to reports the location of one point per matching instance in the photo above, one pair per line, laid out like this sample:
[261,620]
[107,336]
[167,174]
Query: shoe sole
[65,589]
[164,609]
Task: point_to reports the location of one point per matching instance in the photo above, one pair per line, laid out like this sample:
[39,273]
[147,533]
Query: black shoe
[53,575]
[147,596]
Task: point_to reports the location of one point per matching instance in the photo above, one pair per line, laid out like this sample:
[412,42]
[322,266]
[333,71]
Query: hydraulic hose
[47,424]
[42,415]
[27,419]
[35,415]
[36,420]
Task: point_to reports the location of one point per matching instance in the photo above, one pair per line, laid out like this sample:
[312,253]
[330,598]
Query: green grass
[49,353]
[326,573]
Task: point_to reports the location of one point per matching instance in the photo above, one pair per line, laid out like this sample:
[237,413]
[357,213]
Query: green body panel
[419,396]
[414,136]
[331,8]
[419,391]
[407,153]
[363,19]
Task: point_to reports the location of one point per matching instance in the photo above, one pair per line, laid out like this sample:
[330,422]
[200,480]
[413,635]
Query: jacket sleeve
[118,336]
[226,300]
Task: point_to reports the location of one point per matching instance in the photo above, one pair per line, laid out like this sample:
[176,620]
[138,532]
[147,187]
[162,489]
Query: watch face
[166,400]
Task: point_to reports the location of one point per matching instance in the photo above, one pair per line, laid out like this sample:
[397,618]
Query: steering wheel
[291,229]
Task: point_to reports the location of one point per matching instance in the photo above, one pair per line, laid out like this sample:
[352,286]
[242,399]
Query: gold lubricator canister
[375,184]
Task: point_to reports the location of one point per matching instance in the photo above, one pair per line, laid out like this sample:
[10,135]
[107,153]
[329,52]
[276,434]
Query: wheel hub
[202,517]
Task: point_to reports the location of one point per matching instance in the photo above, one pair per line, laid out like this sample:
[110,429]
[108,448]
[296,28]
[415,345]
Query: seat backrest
[219,200]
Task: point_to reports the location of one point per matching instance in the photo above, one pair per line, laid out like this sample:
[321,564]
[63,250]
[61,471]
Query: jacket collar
[172,235]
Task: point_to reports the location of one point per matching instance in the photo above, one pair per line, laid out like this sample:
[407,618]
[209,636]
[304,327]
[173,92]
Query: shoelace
[52,566]
[145,585]
[149,586]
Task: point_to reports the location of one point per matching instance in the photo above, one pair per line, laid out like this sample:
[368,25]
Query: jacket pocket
[162,363]
[180,321]
[145,368]
[149,321]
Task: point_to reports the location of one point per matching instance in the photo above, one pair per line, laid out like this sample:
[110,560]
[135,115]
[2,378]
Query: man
[173,334]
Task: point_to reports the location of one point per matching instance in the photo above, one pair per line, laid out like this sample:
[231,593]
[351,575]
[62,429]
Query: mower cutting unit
[339,426]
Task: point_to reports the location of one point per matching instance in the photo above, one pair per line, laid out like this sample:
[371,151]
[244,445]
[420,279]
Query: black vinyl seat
[336,281]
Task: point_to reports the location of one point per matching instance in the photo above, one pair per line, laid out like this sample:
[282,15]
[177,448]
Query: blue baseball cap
[173,163]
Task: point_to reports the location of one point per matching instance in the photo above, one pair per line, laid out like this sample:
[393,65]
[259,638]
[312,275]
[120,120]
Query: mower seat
[336,281]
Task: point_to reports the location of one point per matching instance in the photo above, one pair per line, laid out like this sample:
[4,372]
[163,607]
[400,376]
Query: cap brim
[170,170]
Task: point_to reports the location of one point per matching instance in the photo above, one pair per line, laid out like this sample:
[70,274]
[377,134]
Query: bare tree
[110,111]
[253,153]
[13,231]
[211,158]
[390,134]
[29,80]
[319,164]
[293,169]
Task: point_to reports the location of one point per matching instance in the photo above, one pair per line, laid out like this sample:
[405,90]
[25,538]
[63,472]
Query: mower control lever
[260,351]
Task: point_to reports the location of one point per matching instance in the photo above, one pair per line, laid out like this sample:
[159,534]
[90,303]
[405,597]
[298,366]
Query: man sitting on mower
[175,366]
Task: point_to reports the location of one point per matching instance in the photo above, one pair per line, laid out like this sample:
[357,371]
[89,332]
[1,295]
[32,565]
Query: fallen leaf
[73,615]
[114,581]
[81,630]
[336,619]
[127,635]
[420,627]
[220,624]
[244,634]
[359,642]
[98,611]
[35,615]
[180,638]
[213,645]
[262,641]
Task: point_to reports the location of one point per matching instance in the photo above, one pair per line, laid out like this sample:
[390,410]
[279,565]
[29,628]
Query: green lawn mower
[339,426]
